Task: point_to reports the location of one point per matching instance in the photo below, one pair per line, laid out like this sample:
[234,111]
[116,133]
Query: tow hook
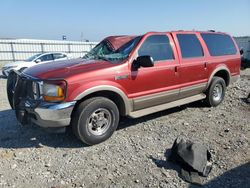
[22,116]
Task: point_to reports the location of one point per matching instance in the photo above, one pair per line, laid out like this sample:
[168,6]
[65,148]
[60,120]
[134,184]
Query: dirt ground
[135,156]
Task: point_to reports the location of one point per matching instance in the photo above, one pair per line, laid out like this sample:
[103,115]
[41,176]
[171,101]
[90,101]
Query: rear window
[190,45]
[219,45]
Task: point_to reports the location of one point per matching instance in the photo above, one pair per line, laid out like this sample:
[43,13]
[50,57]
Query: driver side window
[158,47]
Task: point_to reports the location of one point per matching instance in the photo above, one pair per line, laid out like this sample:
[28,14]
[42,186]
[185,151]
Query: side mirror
[143,61]
[38,60]
[241,51]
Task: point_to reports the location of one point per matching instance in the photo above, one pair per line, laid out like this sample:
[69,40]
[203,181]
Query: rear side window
[59,56]
[190,45]
[219,44]
[158,47]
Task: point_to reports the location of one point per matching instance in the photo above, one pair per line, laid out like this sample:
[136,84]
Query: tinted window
[158,47]
[190,45]
[48,57]
[59,56]
[219,44]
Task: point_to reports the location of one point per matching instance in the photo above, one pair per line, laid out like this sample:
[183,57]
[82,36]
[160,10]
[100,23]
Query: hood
[67,68]
[16,63]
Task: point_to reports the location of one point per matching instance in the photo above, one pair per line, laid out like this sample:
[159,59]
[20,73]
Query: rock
[40,145]
[65,155]
[221,166]
[13,166]
[166,174]
[226,147]
[220,134]
[137,181]
[47,165]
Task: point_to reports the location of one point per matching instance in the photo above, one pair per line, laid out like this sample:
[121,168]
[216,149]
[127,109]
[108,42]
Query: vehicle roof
[187,31]
[117,41]
[194,31]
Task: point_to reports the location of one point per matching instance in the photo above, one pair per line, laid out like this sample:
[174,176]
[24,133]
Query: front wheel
[216,92]
[95,120]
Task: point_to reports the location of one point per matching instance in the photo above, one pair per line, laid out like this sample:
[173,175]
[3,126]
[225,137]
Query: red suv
[125,76]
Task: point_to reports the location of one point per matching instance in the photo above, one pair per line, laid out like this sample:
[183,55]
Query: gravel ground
[135,156]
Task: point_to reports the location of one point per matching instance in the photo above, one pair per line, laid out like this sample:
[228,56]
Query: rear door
[193,63]
[150,86]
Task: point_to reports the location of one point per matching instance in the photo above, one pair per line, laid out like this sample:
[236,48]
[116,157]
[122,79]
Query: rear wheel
[216,91]
[95,120]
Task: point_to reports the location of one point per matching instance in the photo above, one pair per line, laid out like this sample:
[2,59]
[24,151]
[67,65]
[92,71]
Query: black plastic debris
[248,98]
[193,158]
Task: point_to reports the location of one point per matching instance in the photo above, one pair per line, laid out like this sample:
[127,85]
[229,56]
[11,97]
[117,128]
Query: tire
[216,92]
[86,125]
[10,86]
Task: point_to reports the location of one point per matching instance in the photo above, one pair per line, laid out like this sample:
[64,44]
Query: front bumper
[49,114]
[30,107]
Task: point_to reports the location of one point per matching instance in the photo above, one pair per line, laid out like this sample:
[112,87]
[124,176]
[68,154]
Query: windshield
[104,51]
[32,57]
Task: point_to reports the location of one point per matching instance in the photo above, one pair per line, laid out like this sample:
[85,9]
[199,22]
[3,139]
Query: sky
[96,19]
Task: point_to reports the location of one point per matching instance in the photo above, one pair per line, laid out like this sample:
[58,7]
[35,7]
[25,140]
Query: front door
[151,86]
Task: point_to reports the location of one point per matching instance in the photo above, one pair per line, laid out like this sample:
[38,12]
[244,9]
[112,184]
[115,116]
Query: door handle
[176,69]
[205,65]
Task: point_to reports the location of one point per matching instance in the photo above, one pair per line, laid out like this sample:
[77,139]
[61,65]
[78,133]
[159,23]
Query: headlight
[53,92]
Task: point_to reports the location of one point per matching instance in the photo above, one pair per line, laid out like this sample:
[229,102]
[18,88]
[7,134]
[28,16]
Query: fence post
[69,49]
[42,47]
[12,51]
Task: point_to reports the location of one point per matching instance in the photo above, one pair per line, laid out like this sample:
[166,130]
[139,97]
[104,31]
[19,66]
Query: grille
[24,89]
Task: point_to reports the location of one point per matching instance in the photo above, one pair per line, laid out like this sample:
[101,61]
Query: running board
[162,107]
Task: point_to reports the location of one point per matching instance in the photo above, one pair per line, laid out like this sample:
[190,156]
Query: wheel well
[224,75]
[116,98]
